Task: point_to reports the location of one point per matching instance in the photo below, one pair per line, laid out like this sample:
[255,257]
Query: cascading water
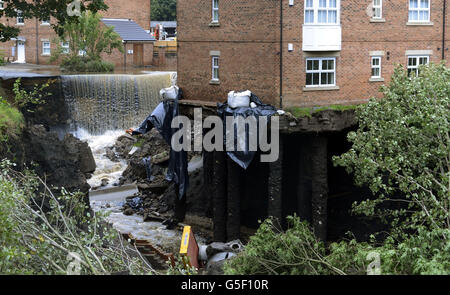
[101,107]
[98,103]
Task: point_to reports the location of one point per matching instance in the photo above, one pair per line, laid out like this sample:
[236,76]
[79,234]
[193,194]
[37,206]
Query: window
[376,67]
[320,72]
[419,10]
[20,19]
[215,68]
[377,9]
[215,11]
[46,21]
[65,47]
[415,61]
[45,48]
[81,52]
[321,12]
[2,5]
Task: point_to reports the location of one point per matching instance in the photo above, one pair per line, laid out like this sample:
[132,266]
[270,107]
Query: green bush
[80,64]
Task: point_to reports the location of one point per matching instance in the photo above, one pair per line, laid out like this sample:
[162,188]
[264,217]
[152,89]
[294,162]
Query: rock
[128,212]
[105,182]
[110,154]
[61,163]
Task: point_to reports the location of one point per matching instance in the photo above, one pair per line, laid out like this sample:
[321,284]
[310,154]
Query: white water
[106,169]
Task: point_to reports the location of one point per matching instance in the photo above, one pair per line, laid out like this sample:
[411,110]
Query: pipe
[281,54]
[37,41]
[443,29]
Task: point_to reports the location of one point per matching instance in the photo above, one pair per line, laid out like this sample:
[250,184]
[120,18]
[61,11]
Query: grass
[11,120]
[299,112]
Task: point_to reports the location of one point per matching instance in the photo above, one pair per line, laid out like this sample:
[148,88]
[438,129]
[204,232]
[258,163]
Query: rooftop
[128,30]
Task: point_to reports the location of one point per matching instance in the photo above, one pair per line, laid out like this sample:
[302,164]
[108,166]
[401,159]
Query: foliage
[83,64]
[44,234]
[11,121]
[164,10]
[181,267]
[401,150]
[88,35]
[293,252]
[24,98]
[2,58]
[43,9]
[296,251]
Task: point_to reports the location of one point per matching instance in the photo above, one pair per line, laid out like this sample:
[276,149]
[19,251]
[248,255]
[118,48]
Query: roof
[128,29]
[165,24]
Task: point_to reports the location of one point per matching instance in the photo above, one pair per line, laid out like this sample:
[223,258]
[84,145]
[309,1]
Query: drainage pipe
[281,54]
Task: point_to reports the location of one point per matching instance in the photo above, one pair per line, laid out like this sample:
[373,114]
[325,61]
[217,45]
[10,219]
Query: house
[332,51]
[298,53]
[36,40]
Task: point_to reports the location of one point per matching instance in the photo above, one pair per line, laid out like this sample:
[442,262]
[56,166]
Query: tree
[88,35]
[402,151]
[43,9]
[164,10]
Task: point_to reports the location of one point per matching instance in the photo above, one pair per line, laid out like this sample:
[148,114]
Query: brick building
[333,52]
[36,39]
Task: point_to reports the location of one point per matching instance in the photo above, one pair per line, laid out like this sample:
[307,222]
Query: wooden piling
[234,200]
[219,190]
[319,195]
[275,181]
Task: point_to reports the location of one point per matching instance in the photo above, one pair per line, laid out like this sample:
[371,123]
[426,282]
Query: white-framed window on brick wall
[65,47]
[2,5]
[215,11]
[215,68]
[376,66]
[414,62]
[322,12]
[419,11]
[321,71]
[377,9]
[46,48]
[20,18]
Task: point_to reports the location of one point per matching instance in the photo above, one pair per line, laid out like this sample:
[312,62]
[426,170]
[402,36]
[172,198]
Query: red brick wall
[248,39]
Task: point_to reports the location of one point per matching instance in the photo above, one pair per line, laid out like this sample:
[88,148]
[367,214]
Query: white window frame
[316,7]
[419,9]
[379,7]
[2,5]
[81,52]
[44,48]
[215,67]
[372,66]
[65,47]
[215,9]
[45,22]
[415,68]
[20,20]
[320,71]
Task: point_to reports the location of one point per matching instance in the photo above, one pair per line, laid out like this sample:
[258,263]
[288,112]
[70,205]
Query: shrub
[86,65]
[11,121]
[41,233]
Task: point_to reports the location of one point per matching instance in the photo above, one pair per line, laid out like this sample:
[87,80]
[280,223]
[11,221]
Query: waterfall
[98,103]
